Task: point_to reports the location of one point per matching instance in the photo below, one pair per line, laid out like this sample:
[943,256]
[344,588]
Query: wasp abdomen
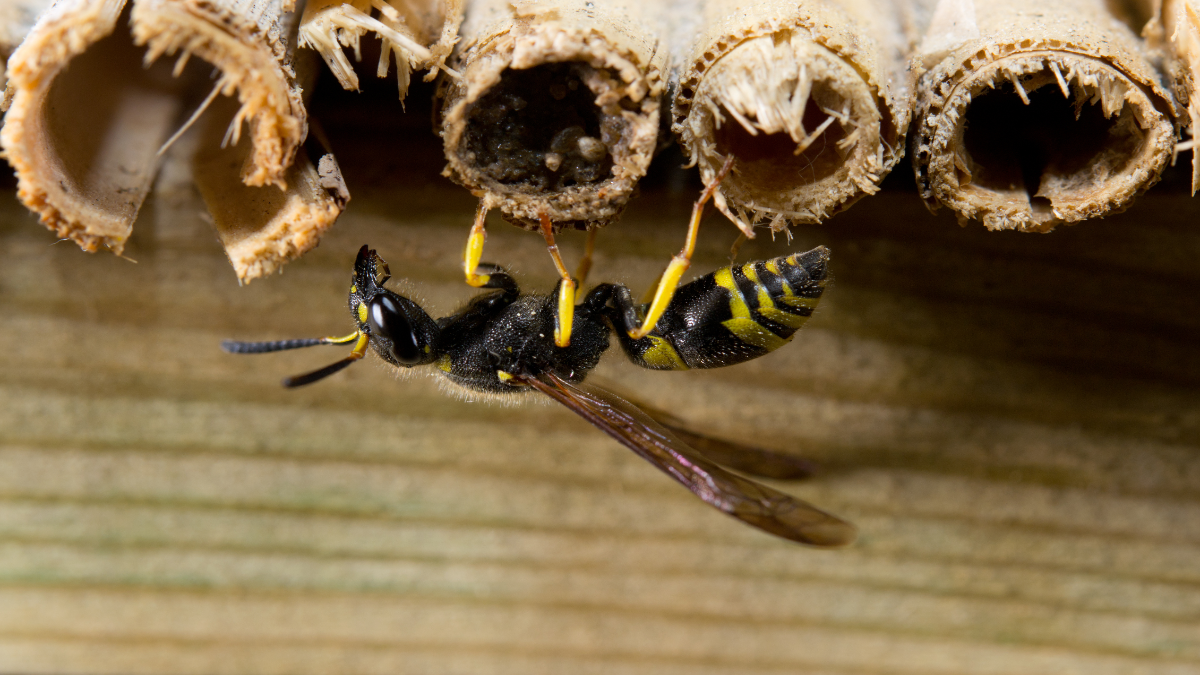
[735,314]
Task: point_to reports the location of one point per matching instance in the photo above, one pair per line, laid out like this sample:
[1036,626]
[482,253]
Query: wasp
[501,343]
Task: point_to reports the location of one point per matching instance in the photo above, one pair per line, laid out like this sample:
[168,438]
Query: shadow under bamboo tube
[1029,116]
[419,33]
[811,99]
[557,108]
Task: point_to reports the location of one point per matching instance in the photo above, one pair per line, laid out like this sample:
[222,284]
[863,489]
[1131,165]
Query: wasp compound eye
[387,320]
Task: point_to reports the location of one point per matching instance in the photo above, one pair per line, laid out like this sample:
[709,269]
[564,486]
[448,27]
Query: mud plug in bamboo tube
[810,98]
[1030,115]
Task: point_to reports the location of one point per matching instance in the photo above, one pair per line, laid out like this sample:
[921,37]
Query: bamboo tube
[1175,27]
[247,41]
[557,108]
[420,33]
[263,228]
[811,98]
[87,140]
[1029,114]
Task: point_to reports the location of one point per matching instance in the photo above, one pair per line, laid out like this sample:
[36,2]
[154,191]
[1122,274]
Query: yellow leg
[585,265]
[474,250]
[566,292]
[680,263]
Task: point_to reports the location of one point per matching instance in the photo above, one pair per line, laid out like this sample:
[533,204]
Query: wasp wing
[752,503]
[749,459]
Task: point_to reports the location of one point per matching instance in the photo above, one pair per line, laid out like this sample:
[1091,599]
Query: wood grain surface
[1012,420]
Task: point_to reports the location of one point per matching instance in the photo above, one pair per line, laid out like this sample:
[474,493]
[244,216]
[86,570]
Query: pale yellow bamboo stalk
[261,228]
[809,97]
[419,33]
[1031,114]
[557,110]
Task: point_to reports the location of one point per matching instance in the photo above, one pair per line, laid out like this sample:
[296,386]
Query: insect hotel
[980,455]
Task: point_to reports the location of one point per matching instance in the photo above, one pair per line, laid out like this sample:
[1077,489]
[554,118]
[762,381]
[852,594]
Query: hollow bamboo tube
[1032,114]
[87,140]
[557,107]
[810,97]
[1174,27]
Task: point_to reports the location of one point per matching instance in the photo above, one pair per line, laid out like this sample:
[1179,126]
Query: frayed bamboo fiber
[87,140]
[810,97]
[420,33]
[1032,114]
[557,110]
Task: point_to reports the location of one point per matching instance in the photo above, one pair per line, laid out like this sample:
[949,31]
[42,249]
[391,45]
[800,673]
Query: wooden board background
[1012,421]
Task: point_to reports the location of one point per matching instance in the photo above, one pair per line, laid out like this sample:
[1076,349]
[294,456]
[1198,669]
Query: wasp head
[400,332]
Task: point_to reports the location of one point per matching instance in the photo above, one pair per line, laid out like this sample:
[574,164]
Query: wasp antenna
[309,378]
[236,347]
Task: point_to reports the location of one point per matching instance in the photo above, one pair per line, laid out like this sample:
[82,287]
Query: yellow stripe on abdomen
[753,333]
[662,355]
[737,304]
[782,318]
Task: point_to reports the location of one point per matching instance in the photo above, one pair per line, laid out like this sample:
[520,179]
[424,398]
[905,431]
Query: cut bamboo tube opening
[1030,116]
[810,98]
[557,108]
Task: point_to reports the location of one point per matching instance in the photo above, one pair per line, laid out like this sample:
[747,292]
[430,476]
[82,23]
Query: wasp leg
[680,263]
[497,277]
[585,265]
[566,290]
[474,250]
[737,246]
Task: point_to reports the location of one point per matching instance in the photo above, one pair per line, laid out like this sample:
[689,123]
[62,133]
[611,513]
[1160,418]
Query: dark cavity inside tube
[1015,146]
[770,162]
[539,128]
